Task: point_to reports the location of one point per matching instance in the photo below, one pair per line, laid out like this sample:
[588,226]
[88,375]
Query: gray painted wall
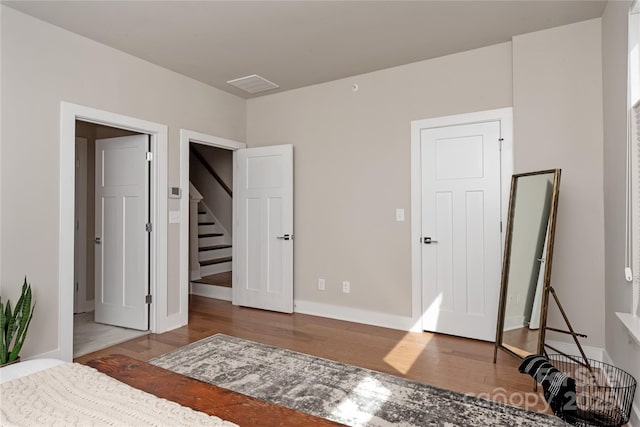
[352,162]
[624,351]
[43,65]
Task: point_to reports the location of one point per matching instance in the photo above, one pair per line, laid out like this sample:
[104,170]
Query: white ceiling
[300,43]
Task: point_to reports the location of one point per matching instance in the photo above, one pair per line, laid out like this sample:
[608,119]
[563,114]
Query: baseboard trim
[210,291]
[173,321]
[634,421]
[514,322]
[571,349]
[355,315]
[53,354]
[86,306]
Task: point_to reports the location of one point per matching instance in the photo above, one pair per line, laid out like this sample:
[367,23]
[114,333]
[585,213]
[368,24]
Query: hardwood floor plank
[210,399]
[453,363]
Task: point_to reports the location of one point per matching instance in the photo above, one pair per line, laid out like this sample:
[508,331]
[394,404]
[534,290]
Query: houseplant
[14,325]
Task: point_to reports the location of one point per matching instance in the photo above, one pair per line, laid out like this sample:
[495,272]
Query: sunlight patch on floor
[363,402]
[403,356]
[406,352]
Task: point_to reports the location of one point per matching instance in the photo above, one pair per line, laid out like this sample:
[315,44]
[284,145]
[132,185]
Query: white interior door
[122,242]
[461,216]
[263,240]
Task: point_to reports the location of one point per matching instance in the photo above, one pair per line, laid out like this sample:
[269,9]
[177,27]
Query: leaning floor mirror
[526,268]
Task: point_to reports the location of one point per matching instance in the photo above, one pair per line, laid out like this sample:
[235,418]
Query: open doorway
[92,332]
[189,230]
[262,222]
[210,220]
[164,313]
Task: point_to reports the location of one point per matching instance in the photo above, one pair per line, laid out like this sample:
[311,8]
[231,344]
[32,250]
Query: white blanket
[72,395]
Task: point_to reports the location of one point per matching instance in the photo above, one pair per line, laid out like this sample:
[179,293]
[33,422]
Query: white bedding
[70,394]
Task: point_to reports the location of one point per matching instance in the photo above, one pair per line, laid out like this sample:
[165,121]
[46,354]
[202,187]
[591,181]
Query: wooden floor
[219,279]
[449,362]
[524,338]
[213,400]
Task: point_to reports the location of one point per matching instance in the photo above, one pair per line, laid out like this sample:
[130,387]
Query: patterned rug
[332,390]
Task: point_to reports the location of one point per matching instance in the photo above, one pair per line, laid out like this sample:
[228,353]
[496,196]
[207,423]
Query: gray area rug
[332,390]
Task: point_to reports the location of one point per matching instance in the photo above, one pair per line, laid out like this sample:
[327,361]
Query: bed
[119,390]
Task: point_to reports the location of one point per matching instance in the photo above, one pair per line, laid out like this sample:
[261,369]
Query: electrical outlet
[346,287]
[321,284]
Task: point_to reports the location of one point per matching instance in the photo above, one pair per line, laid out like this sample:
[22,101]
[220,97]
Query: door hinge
[500,143]
[148,299]
[149,156]
[77,287]
[501,226]
[149,227]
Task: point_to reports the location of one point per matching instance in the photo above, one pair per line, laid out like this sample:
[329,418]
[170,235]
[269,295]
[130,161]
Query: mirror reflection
[526,266]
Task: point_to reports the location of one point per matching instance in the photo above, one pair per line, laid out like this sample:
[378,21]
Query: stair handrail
[212,172]
[194,200]
[194,194]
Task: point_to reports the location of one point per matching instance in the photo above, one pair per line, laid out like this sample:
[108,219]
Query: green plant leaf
[14,324]
[22,334]
[3,325]
[9,330]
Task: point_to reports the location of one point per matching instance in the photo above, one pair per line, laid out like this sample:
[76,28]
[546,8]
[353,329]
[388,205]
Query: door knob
[285,237]
[428,240]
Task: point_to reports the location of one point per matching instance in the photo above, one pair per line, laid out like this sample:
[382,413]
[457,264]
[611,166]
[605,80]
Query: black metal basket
[604,393]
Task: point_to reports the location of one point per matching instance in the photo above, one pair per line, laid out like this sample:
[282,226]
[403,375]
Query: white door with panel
[263,238]
[122,240]
[461,236]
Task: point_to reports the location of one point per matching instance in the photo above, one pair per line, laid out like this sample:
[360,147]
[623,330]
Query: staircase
[214,244]
[210,223]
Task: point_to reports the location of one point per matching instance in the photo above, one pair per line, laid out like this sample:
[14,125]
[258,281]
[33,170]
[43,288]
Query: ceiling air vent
[253,84]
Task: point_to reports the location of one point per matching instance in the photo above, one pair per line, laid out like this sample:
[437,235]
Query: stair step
[207,223]
[215,261]
[213,247]
[210,235]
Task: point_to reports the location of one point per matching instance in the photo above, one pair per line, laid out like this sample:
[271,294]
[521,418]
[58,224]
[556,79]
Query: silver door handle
[98,241]
[285,237]
[428,240]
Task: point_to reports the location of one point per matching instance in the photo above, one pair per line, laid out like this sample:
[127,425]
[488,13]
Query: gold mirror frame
[506,266]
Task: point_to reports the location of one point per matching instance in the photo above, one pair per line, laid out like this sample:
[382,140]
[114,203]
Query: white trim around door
[505,116]
[186,137]
[159,320]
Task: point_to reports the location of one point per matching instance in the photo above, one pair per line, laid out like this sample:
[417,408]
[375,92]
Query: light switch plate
[174,217]
[399,214]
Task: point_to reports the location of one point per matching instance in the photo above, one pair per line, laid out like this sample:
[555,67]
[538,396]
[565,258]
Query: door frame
[187,137]
[505,117]
[159,320]
[80,303]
